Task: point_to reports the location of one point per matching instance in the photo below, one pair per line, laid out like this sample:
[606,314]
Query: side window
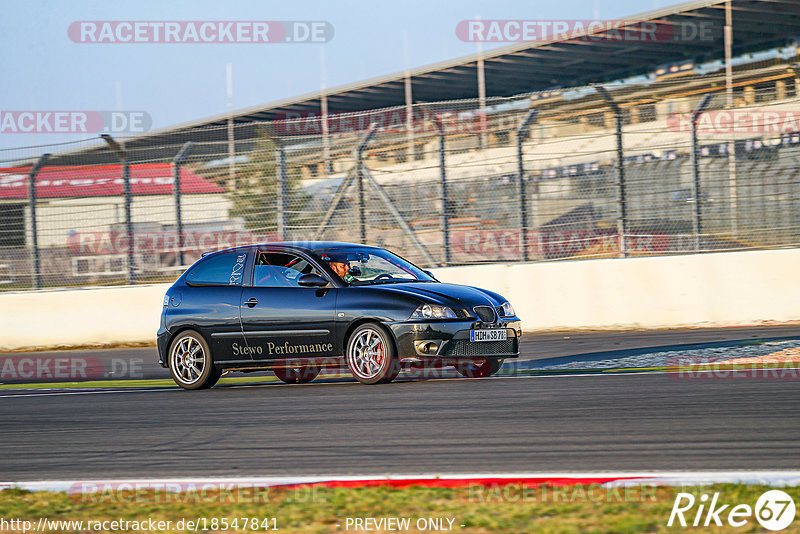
[219,270]
[274,269]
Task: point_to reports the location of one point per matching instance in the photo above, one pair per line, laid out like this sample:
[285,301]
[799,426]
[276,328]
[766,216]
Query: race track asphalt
[141,363]
[606,422]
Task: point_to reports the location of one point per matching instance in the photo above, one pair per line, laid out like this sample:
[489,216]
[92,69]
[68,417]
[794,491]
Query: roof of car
[313,245]
[300,245]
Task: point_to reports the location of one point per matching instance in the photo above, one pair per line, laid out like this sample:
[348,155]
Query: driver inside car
[341,266]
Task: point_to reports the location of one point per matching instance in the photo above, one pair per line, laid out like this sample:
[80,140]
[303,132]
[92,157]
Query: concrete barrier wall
[694,290]
[720,289]
[51,318]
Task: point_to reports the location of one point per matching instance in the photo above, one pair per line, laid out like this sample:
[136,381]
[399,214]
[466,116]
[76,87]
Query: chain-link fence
[655,166]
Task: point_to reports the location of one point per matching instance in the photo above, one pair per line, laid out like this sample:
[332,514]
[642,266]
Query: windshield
[367,266]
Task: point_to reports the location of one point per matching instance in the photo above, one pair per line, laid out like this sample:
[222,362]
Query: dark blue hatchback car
[295,307]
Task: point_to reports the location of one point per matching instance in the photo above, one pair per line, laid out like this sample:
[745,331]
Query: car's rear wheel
[296,372]
[472,369]
[371,355]
[190,362]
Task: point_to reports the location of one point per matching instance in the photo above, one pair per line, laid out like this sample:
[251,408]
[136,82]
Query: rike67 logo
[774,510]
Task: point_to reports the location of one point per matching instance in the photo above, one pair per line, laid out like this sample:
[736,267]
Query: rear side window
[219,270]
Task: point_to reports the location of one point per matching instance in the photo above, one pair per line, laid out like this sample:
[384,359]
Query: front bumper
[452,340]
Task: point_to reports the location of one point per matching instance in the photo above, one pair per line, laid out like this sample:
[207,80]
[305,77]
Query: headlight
[433,311]
[508,310]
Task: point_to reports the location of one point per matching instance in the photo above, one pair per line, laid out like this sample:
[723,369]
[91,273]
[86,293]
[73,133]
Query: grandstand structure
[513,154]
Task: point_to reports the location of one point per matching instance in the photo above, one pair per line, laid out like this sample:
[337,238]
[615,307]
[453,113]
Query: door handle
[252,301]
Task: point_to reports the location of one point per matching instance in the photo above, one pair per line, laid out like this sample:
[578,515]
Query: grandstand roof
[523,67]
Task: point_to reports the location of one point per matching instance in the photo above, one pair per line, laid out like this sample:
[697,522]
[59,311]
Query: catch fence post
[522,134]
[696,191]
[444,216]
[622,223]
[176,186]
[37,271]
[119,151]
[359,153]
[282,192]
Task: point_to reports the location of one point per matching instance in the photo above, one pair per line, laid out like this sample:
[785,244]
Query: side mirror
[312,280]
[429,274]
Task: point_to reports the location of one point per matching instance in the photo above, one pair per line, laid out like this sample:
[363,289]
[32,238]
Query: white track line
[610,372]
[65,392]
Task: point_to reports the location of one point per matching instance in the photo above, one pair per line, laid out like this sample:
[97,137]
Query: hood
[452,295]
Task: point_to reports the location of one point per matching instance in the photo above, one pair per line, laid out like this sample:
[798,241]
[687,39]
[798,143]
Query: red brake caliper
[379,354]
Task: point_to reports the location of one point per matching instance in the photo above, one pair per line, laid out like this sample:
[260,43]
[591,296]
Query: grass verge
[473,509]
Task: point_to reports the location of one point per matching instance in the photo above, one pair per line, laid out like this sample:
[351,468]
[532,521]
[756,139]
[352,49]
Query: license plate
[488,335]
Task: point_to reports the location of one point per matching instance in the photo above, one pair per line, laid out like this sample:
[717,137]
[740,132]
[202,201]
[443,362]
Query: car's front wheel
[190,362]
[371,355]
[296,372]
[487,367]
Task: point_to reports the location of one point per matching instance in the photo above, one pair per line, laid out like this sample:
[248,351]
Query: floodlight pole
[522,135]
[359,153]
[37,272]
[176,187]
[119,151]
[622,220]
[445,219]
[697,220]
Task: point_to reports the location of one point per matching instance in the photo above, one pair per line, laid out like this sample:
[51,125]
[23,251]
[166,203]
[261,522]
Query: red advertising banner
[102,180]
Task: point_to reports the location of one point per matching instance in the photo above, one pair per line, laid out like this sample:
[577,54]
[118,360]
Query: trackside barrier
[719,289]
[122,314]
